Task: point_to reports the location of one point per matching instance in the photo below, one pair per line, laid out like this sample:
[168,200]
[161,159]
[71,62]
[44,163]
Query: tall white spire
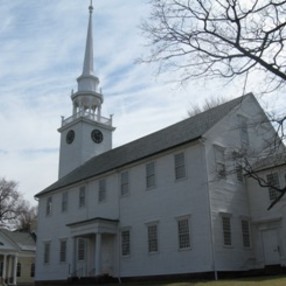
[88,98]
[88,58]
[88,81]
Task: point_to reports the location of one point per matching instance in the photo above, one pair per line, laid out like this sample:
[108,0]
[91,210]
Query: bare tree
[219,38]
[223,39]
[15,211]
[207,105]
[26,218]
[10,202]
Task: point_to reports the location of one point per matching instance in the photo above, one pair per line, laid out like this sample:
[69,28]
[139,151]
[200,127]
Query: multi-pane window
[220,161]
[226,229]
[19,269]
[32,272]
[124,185]
[244,136]
[180,171]
[152,237]
[49,204]
[125,242]
[150,175]
[184,233]
[64,201]
[81,244]
[63,250]
[273,182]
[102,190]
[47,248]
[245,233]
[82,197]
[239,172]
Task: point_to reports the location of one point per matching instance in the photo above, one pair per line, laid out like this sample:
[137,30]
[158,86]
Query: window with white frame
[220,161]
[63,250]
[273,183]
[239,171]
[102,190]
[82,195]
[125,242]
[19,269]
[81,249]
[64,201]
[226,229]
[124,183]
[180,169]
[49,204]
[152,230]
[150,175]
[184,232]
[243,130]
[47,249]
[245,229]
[32,270]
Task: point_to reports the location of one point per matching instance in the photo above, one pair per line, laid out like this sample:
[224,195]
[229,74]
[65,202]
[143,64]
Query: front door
[81,257]
[271,247]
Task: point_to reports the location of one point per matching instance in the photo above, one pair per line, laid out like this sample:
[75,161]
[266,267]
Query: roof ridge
[179,133]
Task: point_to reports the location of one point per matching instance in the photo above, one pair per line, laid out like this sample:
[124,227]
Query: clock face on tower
[96,136]
[70,136]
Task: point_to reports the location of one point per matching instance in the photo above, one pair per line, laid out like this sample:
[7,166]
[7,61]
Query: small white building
[17,257]
[166,204]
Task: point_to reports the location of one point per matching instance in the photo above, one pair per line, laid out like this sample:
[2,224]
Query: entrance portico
[9,263]
[94,243]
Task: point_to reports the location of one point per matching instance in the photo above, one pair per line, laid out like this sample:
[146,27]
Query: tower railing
[87,115]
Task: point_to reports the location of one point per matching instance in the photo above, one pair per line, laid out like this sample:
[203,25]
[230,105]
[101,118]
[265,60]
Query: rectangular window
[47,246]
[226,228]
[125,242]
[245,232]
[152,238]
[81,249]
[102,190]
[150,175]
[220,161]
[65,202]
[184,233]
[124,186]
[19,269]
[244,136]
[49,206]
[273,182]
[32,270]
[82,197]
[180,171]
[63,250]
[239,172]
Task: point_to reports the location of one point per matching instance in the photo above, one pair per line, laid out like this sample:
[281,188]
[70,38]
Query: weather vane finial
[90,7]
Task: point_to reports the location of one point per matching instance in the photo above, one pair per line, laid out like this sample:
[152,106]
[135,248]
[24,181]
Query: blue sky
[41,55]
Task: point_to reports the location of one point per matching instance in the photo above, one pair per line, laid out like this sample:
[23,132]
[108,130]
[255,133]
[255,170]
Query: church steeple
[86,133]
[88,98]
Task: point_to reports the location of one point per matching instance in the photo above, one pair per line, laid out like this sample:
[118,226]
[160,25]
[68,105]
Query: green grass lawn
[263,281]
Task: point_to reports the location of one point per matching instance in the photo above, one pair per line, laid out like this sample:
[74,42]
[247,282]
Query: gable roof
[23,240]
[180,133]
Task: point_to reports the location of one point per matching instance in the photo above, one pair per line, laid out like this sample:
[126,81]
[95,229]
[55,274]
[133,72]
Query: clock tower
[85,133]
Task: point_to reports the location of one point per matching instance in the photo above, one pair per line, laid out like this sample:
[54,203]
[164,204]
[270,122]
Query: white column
[98,254]
[15,270]
[4,267]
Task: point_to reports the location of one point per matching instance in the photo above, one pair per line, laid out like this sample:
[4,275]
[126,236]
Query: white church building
[173,202]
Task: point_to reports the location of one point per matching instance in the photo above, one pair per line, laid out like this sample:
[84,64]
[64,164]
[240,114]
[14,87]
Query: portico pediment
[93,226]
